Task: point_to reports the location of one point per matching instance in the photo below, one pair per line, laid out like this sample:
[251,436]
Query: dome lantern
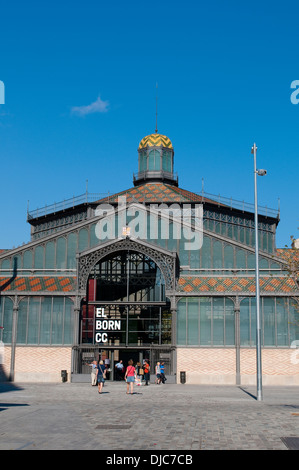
[155,160]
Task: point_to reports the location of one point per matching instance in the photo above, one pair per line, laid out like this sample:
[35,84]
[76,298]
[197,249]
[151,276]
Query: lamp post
[257,282]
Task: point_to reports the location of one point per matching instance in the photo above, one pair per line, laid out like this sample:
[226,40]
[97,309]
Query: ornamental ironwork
[164,260]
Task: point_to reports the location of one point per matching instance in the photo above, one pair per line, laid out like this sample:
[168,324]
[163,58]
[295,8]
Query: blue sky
[80,89]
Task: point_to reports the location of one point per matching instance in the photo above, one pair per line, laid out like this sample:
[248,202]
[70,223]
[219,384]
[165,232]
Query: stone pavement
[71,416]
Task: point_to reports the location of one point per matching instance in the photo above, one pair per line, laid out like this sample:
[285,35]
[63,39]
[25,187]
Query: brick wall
[218,366]
[39,364]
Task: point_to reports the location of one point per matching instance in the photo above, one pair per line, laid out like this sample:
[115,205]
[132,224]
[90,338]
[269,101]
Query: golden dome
[155,140]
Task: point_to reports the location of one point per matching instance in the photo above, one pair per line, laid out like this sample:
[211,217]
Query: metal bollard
[64,375]
[183,377]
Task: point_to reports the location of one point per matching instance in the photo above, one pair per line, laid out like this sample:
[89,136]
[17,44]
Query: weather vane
[156,108]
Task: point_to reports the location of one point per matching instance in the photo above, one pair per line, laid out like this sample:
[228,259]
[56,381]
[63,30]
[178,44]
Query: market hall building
[154,272]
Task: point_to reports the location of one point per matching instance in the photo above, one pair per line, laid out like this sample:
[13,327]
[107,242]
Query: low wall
[218,366]
[38,364]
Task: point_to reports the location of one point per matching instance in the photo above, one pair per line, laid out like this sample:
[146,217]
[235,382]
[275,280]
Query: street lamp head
[261,172]
[253,149]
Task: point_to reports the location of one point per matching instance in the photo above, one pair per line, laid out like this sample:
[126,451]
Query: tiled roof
[157,193]
[155,140]
[236,284]
[187,284]
[288,254]
[35,284]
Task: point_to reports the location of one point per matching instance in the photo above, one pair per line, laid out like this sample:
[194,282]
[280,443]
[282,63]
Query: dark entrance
[125,303]
[125,314]
[84,355]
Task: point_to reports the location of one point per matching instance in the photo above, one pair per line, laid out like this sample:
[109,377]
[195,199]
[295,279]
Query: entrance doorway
[84,355]
[125,314]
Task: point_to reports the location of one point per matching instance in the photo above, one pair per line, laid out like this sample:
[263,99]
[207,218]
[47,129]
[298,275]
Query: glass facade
[41,321]
[213,255]
[279,322]
[210,321]
[205,321]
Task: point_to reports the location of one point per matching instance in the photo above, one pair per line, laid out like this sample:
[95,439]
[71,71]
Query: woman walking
[101,375]
[130,376]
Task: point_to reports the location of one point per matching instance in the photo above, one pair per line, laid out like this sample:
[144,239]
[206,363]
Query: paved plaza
[73,416]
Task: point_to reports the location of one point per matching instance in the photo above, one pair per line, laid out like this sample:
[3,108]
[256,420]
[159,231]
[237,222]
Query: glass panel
[217,255]
[293,320]
[71,250]
[142,161]
[93,238]
[206,253]
[263,263]
[195,259]
[172,242]
[39,257]
[248,236]
[205,321]
[22,322]
[242,234]
[269,321]
[5,265]
[151,160]
[240,259]
[83,239]
[275,266]
[228,257]
[218,321]
[7,319]
[166,166]
[282,321]
[57,320]
[68,322]
[33,320]
[45,322]
[251,261]
[61,253]
[27,259]
[229,323]
[270,242]
[184,254]
[193,317]
[181,323]
[265,241]
[245,323]
[50,255]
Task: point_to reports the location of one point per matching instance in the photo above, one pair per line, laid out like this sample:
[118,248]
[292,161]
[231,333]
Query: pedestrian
[146,368]
[130,376]
[119,367]
[101,375]
[139,373]
[158,373]
[93,373]
[162,371]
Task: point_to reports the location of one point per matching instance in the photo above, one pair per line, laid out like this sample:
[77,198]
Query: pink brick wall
[279,366]
[39,364]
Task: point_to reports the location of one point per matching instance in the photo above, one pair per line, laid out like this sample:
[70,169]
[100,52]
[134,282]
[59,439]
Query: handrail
[92,197]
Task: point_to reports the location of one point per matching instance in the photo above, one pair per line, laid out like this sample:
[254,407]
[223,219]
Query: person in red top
[130,376]
[146,369]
